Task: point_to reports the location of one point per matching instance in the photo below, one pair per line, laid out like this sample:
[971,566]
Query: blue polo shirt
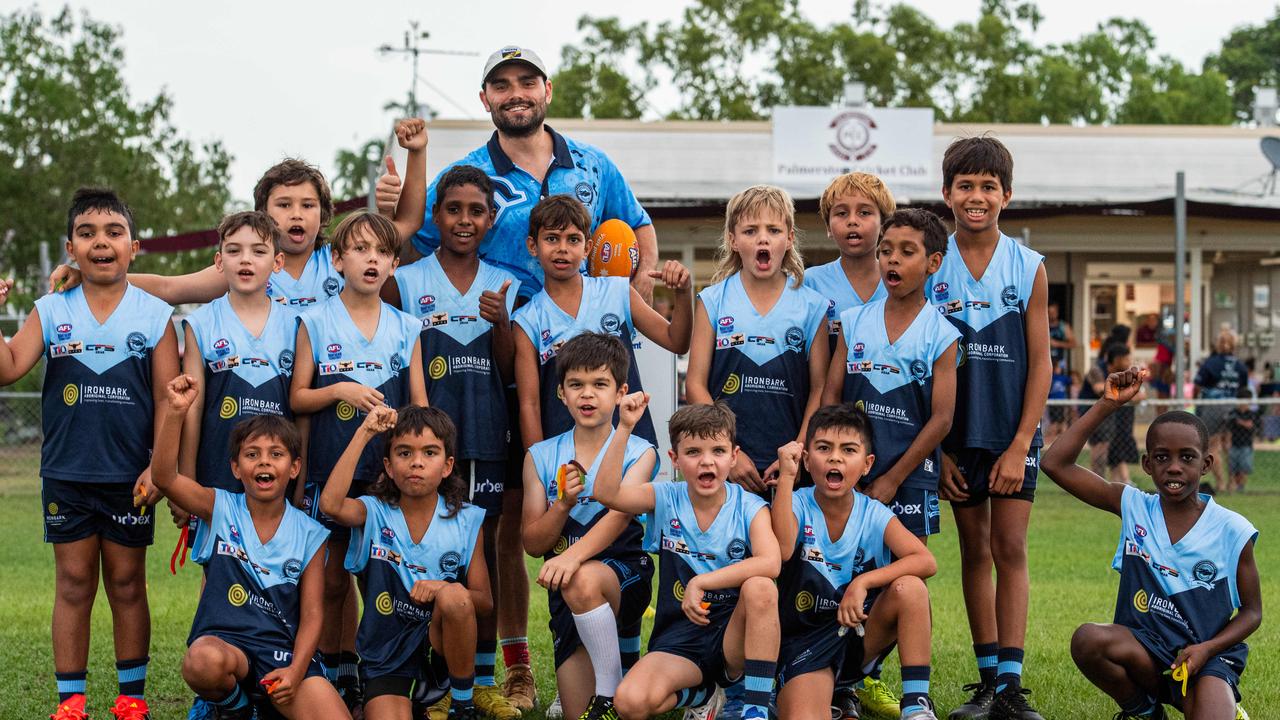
[577,169]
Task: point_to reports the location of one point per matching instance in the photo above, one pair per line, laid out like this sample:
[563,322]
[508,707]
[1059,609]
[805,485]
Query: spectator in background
[1220,377]
[1243,420]
[1059,389]
[1061,341]
[1095,382]
[1148,331]
[1122,448]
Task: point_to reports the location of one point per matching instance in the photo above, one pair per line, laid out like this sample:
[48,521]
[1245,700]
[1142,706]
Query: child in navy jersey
[417,548]
[993,290]
[840,550]
[1189,592]
[253,638]
[717,611]
[597,574]
[296,195]
[109,348]
[239,351]
[759,337]
[852,207]
[464,304]
[571,303]
[354,353]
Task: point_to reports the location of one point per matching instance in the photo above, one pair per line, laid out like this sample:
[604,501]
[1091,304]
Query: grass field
[1070,550]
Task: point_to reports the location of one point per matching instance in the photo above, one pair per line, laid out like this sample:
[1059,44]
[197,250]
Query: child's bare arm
[782,517]
[478,579]
[493,308]
[192,367]
[528,390]
[412,205]
[703,344]
[179,394]
[201,286]
[310,614]
[541,524]
[23,350]
[609,489]
[306,399]
[417,380]
[911,558]
[333,499]
[834,387]
[1247,619]
[1059,461]
[164,368]
[765,560]
[674,335]
[817,375]
[1009,471]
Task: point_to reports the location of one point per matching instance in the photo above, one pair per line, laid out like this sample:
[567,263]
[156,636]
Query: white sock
[599,632]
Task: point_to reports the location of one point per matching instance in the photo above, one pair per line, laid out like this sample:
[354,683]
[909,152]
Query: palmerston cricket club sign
[813,144]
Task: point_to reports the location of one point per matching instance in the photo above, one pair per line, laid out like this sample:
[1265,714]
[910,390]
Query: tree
[68,120]
[738,59]
[1250,57]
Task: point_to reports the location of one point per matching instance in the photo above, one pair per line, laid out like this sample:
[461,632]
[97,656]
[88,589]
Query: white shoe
[555,711]
[710,710]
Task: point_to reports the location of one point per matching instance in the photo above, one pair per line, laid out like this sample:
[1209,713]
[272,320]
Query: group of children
[334,414]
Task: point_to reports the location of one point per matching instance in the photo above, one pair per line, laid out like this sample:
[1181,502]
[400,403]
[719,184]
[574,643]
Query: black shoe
[1157,713]
[979,705]
[1011,704]
[463,713]
[845,705]
[600,708]
[244,713]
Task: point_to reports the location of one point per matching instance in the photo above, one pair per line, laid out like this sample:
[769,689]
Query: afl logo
[725,323]
[331,286]
[1010,296]
[737,549]
[285,361]
[334,350]
[606,252]
[136,342]
[859,349]
[940,292]
[610,323]
[64,331]
[222,346]
[427,302]
[853,132]
[449,563]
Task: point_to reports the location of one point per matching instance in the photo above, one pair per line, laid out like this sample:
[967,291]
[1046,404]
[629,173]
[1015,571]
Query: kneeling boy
[717,605]
[1189,591]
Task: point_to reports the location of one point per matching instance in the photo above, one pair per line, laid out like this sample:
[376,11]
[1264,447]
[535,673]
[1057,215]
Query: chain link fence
[1244,438]
[20,438]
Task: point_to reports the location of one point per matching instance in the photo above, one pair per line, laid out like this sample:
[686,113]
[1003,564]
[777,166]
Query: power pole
[412,47]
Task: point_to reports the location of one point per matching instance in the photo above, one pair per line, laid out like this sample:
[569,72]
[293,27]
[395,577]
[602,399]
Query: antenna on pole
[413,37]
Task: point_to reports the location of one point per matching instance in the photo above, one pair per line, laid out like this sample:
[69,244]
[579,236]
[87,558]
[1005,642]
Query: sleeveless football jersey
[684,550]
[96,403]
[760,364]
[244,376]
[250,595]
[319,281]
[605,308]
[457,352]
[830,282]
[813,581]
[1170,594]
[549,455]
[342,354]
[991,358]
[893,383]
[393,627]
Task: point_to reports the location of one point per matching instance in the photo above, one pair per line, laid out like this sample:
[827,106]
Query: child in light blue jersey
[596,572]
[417,549]
[109,349]
[840,551]
[570,303]
[759,336]
[1189,591]
[717,613]
[253,638]
[354,353]
[852,207]
[994,291]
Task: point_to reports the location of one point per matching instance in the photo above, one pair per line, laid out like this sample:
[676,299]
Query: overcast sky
[273,78]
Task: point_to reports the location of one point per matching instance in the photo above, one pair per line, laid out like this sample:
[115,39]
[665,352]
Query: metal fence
[1244,437]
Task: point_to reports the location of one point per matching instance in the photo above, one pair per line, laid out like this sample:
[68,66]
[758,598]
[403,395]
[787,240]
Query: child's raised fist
[789,458]
[379,420]
[181,393]
[1123,386]
[5,287]
[632,407]
[412,134]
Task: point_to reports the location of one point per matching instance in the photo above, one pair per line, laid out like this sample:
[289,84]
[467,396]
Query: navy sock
[878,667]
[132,676]
[486,656]
[1140,704]
[987,659]
[460,691]
[629,648]
[72,683]
[233,701]
[915,687]
[330,661]
[1009,670]
[691,697]
[758,682]
[347,672]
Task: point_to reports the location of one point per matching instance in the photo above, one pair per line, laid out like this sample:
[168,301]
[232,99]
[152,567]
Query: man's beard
[537,114]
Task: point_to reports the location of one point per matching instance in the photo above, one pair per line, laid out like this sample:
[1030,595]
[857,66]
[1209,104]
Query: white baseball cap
[510,54]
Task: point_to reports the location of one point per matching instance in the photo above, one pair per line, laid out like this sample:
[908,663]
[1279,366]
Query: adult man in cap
[528,161]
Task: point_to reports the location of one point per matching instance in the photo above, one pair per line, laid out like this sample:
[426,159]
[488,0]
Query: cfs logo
[732,384]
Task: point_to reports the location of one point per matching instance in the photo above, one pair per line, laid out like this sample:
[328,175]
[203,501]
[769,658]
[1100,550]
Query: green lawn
[1070,550]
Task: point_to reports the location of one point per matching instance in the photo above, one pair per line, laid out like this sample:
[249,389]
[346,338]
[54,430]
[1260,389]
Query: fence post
[1179,284]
